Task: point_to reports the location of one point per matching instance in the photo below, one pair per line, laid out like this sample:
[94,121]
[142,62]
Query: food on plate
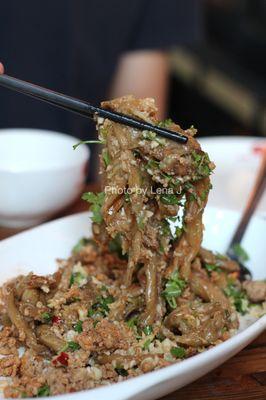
[142,293]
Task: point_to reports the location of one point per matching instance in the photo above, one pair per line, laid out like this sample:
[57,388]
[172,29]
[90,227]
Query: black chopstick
[83,108]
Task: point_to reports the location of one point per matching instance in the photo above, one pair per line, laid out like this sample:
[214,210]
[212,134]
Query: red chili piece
[62,359]
[56,320]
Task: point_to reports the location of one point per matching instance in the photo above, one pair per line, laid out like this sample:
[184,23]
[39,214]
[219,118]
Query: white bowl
[37,249]
[40,174]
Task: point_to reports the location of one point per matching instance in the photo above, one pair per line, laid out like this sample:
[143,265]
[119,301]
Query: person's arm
[143,74]
[1,68]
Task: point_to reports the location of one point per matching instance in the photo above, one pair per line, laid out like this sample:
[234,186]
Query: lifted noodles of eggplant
[155,194]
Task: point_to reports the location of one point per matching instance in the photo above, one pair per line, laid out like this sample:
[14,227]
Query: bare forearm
[143,74]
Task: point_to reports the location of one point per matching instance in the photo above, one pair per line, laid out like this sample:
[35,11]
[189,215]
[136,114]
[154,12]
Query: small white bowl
[40,174]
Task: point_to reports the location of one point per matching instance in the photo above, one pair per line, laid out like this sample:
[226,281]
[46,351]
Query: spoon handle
[253,201]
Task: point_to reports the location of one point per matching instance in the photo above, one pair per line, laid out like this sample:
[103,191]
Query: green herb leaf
[169,199]
[149,135]
[146,344]
[96,200]
[178,232]
[173,288]
[132,322]
[78,327]
[43,391]
[178,352]
[127,198]
[240,253]
[95,323]
[165,123]
[121,371]
[77,278]
[202,164]
[212,267]
[46,317]
[101,306]
[73,346]
[239,297]
[106,157]
[88,142]
[152,164]
[148,330]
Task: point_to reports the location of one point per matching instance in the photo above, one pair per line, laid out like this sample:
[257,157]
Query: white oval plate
[36,250]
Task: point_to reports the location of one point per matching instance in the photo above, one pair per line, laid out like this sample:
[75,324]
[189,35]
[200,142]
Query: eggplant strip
[21,325]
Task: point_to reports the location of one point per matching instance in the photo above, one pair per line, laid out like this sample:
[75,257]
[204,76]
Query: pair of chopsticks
[83,108]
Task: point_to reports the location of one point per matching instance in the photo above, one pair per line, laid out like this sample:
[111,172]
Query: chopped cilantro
[127,198]
[106,157]
[212,267]
[73,346]
[239,297]
[96,200]
[46,317]
[204,194]
[121,371]
[173,288]
[43,391]
[101,306]
[178,232]
[148,330]
[152,164]
[146,344]
[165,228]
[169,199]
[95,323]
[149,135]
[240,253]
[178,352]
[78,327]
[202,164]
[197,157]
[165,123]
[192,197]
[132,322]
[88,142]
[76,277]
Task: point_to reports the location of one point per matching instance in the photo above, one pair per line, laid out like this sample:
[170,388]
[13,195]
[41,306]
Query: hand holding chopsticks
[83,108]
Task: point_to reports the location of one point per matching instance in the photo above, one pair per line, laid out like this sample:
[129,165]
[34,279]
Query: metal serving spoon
[252,203]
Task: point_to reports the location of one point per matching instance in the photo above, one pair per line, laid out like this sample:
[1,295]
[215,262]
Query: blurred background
[222,79]
[202,60]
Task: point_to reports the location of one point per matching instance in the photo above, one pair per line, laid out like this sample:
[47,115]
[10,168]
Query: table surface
[243,377]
